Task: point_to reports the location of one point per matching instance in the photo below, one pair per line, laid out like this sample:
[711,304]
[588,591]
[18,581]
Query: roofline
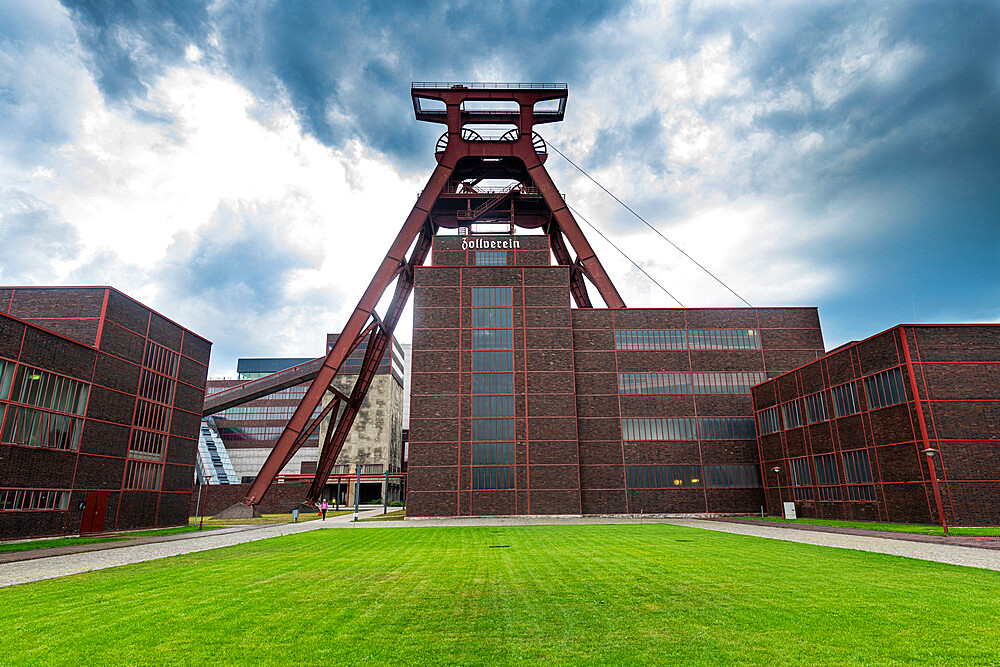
[113,289]
[49,331]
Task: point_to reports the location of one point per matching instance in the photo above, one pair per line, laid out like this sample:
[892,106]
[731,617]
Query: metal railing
[488,85]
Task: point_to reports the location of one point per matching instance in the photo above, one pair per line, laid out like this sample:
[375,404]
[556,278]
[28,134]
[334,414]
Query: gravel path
[988,559]
[60,566]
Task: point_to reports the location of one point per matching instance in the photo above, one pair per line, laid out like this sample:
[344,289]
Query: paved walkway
[60,566]
[113,555]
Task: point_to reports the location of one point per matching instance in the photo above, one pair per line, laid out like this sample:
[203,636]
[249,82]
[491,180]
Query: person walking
[323,507]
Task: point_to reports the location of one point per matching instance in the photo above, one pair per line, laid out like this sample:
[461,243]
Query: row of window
[492,406]
[152,416]
[253,433]
[492,429]
[491,258]
[688,383]
[492,318]
[160,359]
[492,360]
[492,478]
[492,383]
[492,297]
[825,485]
[493,339]
[40,428]
[147,445]
[42,389]
[156,387]
[20,500]
[492,453]
[881,390]
[687,339]
[687,428]
[143,476]
[689,476]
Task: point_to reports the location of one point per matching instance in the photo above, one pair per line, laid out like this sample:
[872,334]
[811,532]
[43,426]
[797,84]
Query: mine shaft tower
[490,136]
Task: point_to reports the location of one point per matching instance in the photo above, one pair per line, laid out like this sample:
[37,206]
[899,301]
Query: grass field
[263,520]
[891,527]
[613,594]
[75,541]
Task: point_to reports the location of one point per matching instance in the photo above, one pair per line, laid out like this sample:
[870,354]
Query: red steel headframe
[477,157]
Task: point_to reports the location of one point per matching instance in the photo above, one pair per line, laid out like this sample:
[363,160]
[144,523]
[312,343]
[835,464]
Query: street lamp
[777,485]
[930,452]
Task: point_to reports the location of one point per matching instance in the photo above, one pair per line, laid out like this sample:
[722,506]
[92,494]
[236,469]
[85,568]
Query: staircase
[213,459]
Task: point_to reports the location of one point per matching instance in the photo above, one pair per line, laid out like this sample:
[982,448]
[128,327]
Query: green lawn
[612,594]
[264,520]
[891,527]
[74,541]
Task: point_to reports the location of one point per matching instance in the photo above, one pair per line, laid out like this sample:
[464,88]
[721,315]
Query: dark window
[816,407]
[662,476]
[845,400]
[675,428]
[23,500]
[687,339]
[42,389]
[858,475]
[726,428]
[733,477]
[768,421]
[827,477]
[885,388]
[791,414]
[801,478]
[492,386]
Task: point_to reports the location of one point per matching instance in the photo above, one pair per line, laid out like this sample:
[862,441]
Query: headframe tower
[490,136]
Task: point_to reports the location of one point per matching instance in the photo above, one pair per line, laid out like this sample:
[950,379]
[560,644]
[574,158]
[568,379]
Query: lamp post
[930,452]
[777,485]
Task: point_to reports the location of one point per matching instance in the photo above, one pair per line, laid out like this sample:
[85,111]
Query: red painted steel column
[923,428]
[394,259]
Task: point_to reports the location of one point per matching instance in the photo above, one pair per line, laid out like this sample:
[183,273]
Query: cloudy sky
[243,166]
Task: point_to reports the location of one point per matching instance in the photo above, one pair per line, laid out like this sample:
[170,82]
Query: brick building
[100,399]
[841,437]
[523,405]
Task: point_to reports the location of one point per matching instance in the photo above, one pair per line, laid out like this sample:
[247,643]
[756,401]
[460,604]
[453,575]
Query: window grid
[687,383]
[791,414]
[801,478]
[687,339]
[816,407]
[858,476]
[492,387]
[884,389]
[638,429]
[845,400]
[663,477]
[41,428]
[491,258]
[827,477]
[33,500]
[143,476]
[768,421]
[733,476]
[42,389]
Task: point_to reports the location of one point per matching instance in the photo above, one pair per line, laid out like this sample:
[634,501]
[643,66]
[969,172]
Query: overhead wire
[622,252]
[645,222]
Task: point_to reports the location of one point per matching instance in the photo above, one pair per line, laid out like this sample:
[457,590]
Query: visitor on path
[323,507]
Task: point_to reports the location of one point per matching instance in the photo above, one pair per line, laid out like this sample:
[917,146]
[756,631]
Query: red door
[93,512]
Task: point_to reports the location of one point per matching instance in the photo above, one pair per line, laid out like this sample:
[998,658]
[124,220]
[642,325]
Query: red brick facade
[133,363]
[569,453]
[955,370]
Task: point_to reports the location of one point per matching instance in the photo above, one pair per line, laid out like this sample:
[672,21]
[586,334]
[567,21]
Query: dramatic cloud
[243,166]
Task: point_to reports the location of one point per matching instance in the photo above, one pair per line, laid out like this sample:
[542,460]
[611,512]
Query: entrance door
[93,512]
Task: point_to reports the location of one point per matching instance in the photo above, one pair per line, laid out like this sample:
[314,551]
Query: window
[22,500]
[726,428]
[686,383]
[687,339]
[6,378]
[492,386]
[733,477]
[662,477]
[816,407]
[858,475]
[143,476]
[48,391]
[801,478]
[491,258]
[885,388]
[768,421]
[791,414]
[41,428]
[845,400]
[827,478]
[675,428]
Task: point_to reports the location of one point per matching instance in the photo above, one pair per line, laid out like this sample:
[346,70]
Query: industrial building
[524,405]
[100,400]
[244,435]
[902,427]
